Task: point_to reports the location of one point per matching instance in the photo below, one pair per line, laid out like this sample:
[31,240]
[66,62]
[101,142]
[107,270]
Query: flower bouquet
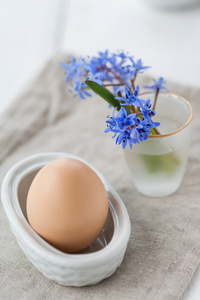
[147,125]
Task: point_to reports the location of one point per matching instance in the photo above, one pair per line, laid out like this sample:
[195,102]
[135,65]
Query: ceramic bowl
[90,266]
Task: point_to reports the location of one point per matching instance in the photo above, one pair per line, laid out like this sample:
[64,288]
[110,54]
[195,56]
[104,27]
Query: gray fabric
[164,247]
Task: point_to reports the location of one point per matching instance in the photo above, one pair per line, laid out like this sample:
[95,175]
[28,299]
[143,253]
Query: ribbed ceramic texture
[66,269]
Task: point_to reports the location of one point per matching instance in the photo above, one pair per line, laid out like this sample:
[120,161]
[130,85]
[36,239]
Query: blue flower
[129,128]
[96,78]
[96,68]
[131,99]
[140,132]
[138,66]
[123,55]
[113,124]
[124,120]
[121,121]
[103,57]
[157,85]
[79,88]
[134,134]
[118,70]
[74,69]
[129,72]
[147,112]
[123,138]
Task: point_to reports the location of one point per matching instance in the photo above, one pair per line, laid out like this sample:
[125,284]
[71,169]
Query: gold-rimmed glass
[158,164]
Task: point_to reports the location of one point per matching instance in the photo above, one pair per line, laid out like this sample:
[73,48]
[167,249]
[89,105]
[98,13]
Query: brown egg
[67,204]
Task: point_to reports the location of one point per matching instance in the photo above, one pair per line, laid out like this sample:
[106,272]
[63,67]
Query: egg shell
[67,204]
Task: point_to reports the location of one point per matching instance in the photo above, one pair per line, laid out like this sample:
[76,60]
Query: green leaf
[103,93]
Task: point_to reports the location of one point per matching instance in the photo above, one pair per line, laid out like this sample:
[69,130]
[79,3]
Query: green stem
[155,100]
[112,84]
[133,82]
[154,131]
[133,108]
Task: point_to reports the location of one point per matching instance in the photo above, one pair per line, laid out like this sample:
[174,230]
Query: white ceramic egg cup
[97,262]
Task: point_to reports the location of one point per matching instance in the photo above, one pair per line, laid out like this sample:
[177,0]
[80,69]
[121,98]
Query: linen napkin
[164,247]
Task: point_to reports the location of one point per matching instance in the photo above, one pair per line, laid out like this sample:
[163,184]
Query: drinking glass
[157,165]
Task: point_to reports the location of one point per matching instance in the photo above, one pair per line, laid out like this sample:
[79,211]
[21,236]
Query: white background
[31,32]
